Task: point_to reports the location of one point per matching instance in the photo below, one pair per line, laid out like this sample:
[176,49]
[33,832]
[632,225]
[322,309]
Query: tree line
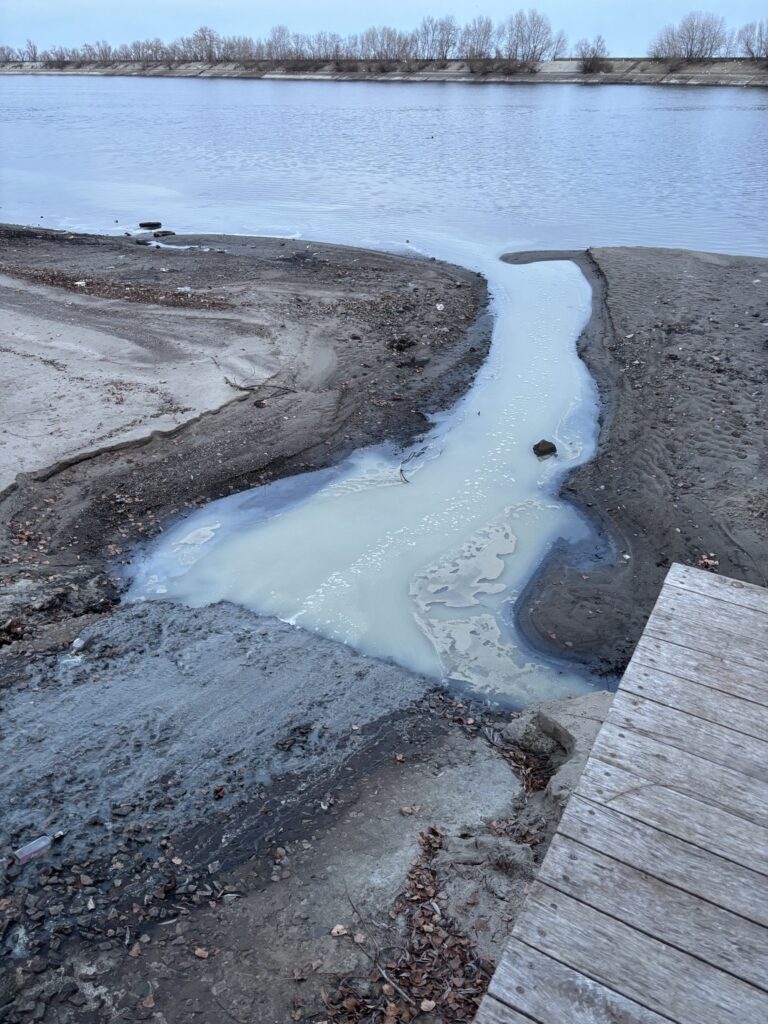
[525,38]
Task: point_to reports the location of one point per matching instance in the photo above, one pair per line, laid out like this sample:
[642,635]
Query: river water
[425,573]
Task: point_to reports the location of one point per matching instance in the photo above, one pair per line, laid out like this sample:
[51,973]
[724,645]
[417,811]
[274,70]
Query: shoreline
[677,347]
[318,350]
[731,72]
[213,774]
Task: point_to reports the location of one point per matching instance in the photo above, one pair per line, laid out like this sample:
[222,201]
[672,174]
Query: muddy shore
[228,790]
[678,346]
[222,364]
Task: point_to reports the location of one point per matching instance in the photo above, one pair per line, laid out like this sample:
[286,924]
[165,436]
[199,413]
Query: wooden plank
[708,827]
[707,669]
[639,967]
[678,617]
[720,587]
[549,991]
[493,1012]
[671,915]
[697,871]
[740,621]
[713,705]
[712,742]
[668,766]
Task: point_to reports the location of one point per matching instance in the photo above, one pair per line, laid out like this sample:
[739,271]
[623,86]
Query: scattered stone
[543,449]
[150,225]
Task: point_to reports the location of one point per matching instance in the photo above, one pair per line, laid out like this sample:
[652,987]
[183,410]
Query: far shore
[623,71]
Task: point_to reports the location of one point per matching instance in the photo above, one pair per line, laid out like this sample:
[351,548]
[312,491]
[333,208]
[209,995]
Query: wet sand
[309,353]
[678,346]
[230,788]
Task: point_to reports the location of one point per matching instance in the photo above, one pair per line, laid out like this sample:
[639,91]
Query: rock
[10,985]
[150,225]
[569,725]
[163,234]
[543,449]
[142,241]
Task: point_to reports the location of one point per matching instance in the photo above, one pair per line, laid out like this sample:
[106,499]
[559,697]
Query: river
[425,573]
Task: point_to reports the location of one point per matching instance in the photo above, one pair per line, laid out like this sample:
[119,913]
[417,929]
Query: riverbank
[168,376]
[678,346]
[623,71]
[236,806]
[251,822]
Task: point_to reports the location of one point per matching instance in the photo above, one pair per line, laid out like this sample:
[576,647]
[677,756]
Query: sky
[627,25]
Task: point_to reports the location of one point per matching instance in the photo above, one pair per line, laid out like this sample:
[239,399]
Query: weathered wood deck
[651,904]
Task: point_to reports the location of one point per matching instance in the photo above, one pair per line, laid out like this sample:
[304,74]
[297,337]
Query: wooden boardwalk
[651,904]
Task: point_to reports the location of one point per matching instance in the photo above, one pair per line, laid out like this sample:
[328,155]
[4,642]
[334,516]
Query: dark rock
[150,225]
[10,985]
[142,241]
[543,449]
[163,234]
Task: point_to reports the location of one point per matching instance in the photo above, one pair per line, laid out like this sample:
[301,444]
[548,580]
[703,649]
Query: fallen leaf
[427,1005]
[148,1003]
[413,809]
[359,938]
[316,965]
[400,758]
[338,930]
[201,954]
[135,949]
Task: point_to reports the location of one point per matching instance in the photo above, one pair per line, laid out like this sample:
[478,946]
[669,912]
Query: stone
[150,225]
[543,449]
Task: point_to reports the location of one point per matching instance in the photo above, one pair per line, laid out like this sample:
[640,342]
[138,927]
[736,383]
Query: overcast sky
[626,24]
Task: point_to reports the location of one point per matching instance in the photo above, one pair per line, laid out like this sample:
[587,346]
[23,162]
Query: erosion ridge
[678,346]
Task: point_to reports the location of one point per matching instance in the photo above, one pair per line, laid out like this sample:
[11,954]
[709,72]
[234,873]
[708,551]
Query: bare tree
[278,43]
[593,55]
[527,36]
[698,36]
[446,38]
[477,39]
[752,40]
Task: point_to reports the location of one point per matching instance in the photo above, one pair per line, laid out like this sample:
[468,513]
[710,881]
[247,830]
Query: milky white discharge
[422,572]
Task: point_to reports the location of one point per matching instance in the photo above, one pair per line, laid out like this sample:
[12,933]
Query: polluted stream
[418,556]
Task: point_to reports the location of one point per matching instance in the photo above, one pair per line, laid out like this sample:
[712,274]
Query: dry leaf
[400,758]
[148,1003]
[201,954]
[413,809]
[135,949]
[338,930]
[427,1005]
[359,938]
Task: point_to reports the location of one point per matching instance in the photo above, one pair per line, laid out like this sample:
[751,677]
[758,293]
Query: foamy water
[423,571]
